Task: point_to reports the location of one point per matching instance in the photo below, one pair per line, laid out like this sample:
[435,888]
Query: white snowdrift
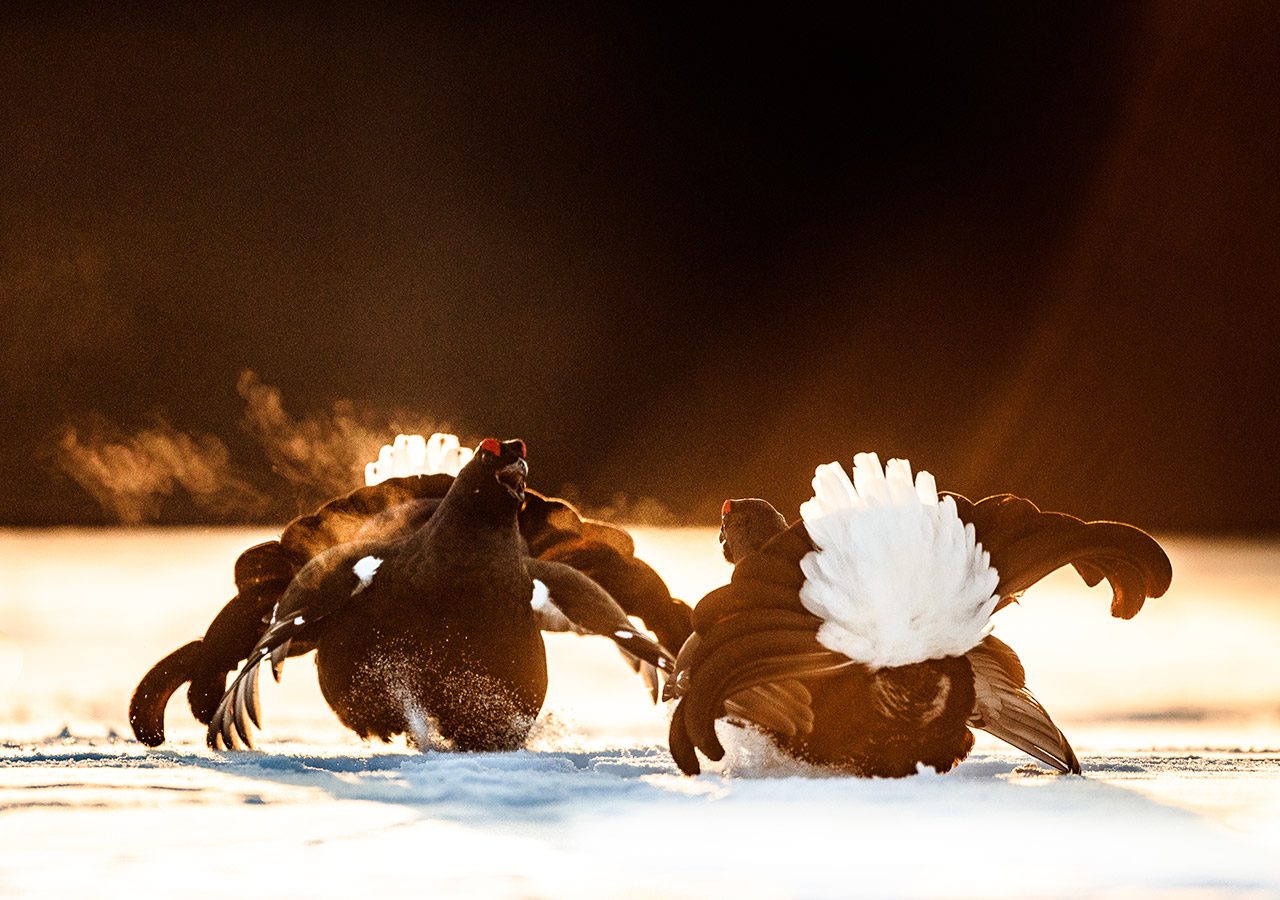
[84,820]
[596,808]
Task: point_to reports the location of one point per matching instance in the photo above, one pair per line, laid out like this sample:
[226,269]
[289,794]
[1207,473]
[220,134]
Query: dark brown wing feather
[548,521]
[1004,707]
[1027,544]
[783,706]
[324,586]
[590,608]
[340,521]
[262,574]
[754,649]
[555,531]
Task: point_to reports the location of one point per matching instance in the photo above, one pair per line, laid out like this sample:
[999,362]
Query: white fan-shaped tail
[413,454]
[897,577]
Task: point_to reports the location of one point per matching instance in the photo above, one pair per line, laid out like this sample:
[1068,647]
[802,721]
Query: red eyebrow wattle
[492,445]
[724,510]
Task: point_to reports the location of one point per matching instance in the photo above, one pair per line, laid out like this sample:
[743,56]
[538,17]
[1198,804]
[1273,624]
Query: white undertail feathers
[897,577]
[412,454]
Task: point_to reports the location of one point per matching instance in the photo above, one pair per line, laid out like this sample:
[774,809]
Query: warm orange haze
[608,451]
[1029,248]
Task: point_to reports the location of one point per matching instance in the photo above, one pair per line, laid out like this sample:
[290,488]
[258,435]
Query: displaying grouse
[858,638]
[423,603]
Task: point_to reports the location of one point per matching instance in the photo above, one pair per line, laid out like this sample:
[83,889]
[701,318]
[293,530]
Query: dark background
[1030,249]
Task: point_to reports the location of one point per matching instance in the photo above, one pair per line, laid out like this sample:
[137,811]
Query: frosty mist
[132,473]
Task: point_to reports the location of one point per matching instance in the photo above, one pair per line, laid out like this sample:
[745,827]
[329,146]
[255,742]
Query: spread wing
[146,706]
[1005,708]
[567,600]
[383,512]
[262,573]
[1026,545]
[555,531]
[325,585]
[781,706]
[754,648]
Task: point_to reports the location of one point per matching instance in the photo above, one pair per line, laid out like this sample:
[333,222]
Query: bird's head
[745,526]
[496,474]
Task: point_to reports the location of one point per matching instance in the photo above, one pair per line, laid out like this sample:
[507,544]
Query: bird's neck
[460,521]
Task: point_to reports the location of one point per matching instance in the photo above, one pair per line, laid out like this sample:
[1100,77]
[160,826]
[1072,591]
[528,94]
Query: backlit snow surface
[1176,716]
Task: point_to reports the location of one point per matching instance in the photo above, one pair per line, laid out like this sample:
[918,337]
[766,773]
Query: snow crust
[94,818]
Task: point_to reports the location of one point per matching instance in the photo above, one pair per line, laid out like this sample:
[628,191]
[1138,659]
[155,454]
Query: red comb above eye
[492,446]
[523,451]
[728,505]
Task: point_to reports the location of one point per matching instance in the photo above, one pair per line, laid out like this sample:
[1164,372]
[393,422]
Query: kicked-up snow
[1176,716]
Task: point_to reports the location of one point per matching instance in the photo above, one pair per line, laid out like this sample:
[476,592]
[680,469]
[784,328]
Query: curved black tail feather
[146,707]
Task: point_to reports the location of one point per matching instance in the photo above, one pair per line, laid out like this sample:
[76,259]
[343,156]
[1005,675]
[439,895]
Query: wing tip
[229,728]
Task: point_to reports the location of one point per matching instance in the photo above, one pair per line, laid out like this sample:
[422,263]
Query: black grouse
[424,606]
[858,638]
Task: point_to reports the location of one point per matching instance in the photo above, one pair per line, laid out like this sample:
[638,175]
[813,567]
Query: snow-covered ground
[1176,716]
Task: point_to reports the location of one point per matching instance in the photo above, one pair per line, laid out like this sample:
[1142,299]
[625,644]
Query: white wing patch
[549,616]
[413,454]
[364,568]
[541,598]
[897,577]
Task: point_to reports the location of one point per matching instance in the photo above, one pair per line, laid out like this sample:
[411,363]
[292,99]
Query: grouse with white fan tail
[859,637]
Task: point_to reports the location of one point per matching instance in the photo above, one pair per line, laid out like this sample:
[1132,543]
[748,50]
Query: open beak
[512,478]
